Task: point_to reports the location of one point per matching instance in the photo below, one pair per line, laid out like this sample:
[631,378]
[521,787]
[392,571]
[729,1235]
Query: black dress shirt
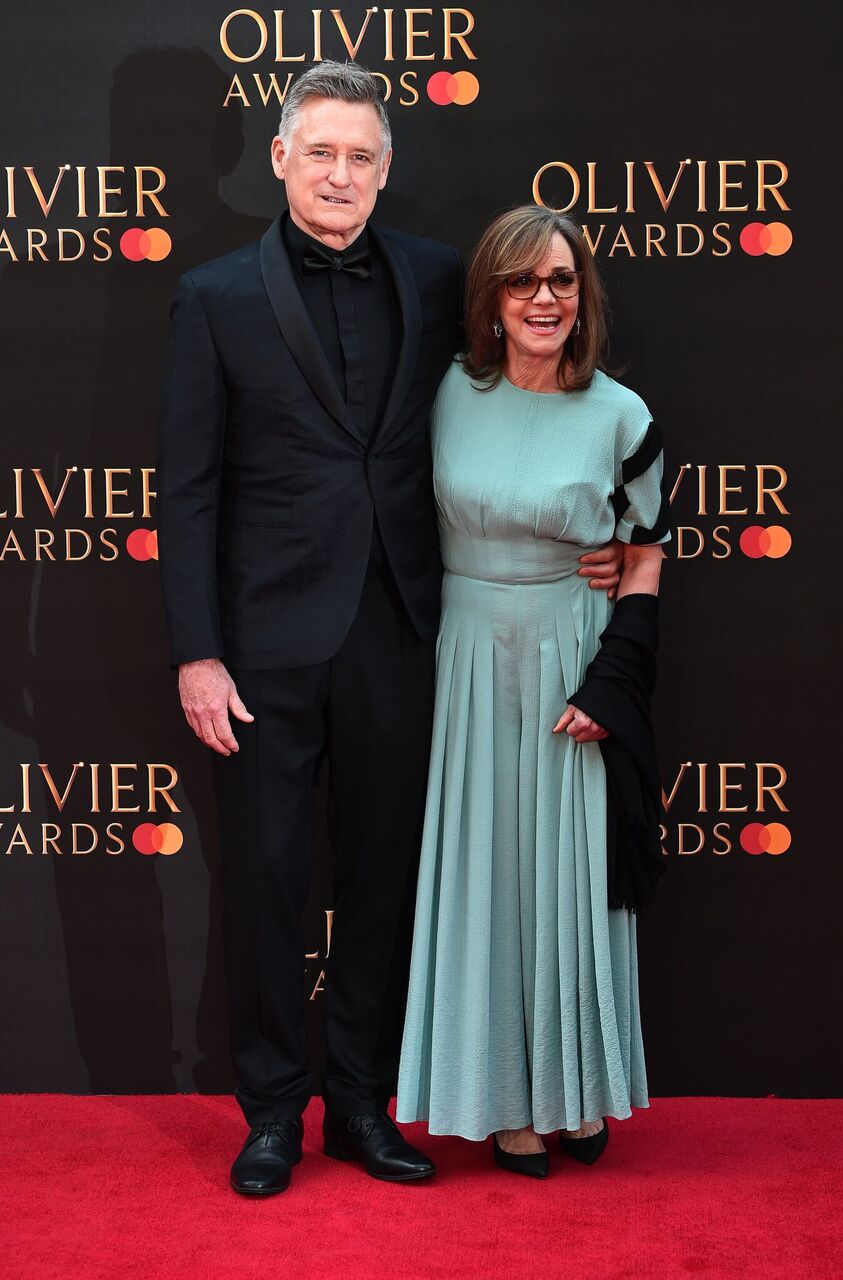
[358,322]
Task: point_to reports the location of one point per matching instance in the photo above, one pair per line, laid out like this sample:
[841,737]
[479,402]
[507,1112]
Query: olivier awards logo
[721,508]
[402,41]
[52,215]
[728,807]
[77,515]
[635,209]
[119,806]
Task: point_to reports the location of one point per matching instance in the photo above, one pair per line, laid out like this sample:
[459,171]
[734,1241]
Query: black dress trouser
[369,709]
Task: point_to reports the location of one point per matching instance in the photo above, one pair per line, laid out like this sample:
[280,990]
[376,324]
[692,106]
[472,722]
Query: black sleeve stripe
[644,456]
[641,536]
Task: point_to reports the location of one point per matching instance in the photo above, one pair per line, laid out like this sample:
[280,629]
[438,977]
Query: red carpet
[137,1187]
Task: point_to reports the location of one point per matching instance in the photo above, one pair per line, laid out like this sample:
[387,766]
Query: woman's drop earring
[577,326]
[497,327]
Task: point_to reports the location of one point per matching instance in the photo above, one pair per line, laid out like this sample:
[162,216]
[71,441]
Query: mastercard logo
[773,837]
[150,244]
[142,544]
[164,838]
[773,542]
[459,87]
[758,238]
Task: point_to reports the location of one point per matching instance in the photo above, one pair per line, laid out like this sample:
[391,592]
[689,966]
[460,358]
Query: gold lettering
[665,200]
[225,46]
[112,831]
[80,244]
[689,826]
[46,205]
[147,492]
[716,233]
[280,55]
[6,244]
[407,80]
[765,491]
[236,90]
[36,238]
[111,493]
[772,187]
[44,539]
[161,789]
[102,244]
[142,193]
[343,30]
[413,35]
[10,191]
[773,791]
[117,787]
[592,194]
[76,827]
[60,800]
[655,241]
[726,787]
[593,244]
[716,537]
[459,36]
[723,508]
[667,801]
[681,252]
[106,191]
[726,186]
[621,241]
[272,87]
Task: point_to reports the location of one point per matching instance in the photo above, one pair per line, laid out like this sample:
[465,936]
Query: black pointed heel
[586,1150]
[534,1165]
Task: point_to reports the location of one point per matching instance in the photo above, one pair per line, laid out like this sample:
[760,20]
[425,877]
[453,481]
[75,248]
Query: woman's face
[536,328]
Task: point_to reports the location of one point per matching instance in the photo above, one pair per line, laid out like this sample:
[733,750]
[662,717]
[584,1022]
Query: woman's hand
[580,726]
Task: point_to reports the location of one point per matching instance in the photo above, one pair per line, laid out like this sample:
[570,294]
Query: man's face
[334,168]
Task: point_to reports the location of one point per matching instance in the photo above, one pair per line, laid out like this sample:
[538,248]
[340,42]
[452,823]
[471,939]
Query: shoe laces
[364,1124]
[287,1130]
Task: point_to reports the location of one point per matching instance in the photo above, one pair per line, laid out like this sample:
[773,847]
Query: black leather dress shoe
[265,1165]
[375,1141]
[534,1164]
[586,1150]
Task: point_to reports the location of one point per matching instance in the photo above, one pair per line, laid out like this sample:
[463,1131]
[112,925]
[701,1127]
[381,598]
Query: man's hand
[207,695]
[580,726]
[603,567]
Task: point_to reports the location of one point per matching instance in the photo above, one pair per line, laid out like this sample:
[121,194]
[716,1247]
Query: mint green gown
[523,997]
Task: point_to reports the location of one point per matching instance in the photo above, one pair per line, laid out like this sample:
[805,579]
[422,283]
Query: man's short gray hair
[342,81]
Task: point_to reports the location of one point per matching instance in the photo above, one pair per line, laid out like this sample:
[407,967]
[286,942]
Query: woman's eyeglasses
[526,284]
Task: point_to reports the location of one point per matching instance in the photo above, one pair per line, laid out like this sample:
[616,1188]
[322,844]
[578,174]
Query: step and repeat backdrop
[693,144]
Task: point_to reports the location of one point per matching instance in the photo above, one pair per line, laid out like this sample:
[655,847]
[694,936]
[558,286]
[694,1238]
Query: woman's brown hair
[518,241]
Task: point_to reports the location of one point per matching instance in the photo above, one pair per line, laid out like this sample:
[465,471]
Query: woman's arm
[639,576]
[641,569]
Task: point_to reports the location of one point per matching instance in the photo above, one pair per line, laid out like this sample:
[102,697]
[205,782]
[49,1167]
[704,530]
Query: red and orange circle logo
[770,837]
[164,838]
[773,542]
[149,244]
[142,544]
[459,87]
[758,238]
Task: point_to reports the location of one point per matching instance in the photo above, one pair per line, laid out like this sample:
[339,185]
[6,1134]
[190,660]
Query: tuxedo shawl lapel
[408,297]
[297,328]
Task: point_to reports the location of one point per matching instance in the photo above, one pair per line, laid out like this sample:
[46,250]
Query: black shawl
[616,692]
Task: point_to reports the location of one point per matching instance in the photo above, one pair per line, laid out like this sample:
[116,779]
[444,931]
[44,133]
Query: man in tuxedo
[301,575]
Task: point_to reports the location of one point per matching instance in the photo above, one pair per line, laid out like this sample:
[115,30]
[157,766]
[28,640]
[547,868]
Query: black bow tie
[357,264]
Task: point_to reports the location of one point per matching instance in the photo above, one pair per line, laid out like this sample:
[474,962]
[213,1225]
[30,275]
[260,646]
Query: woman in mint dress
[523,1015]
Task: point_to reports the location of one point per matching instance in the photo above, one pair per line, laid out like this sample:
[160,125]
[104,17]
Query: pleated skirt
[523,997]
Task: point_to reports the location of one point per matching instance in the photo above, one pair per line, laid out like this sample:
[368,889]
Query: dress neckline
[545,395]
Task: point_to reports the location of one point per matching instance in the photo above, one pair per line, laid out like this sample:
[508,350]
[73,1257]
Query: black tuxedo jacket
[266,490]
